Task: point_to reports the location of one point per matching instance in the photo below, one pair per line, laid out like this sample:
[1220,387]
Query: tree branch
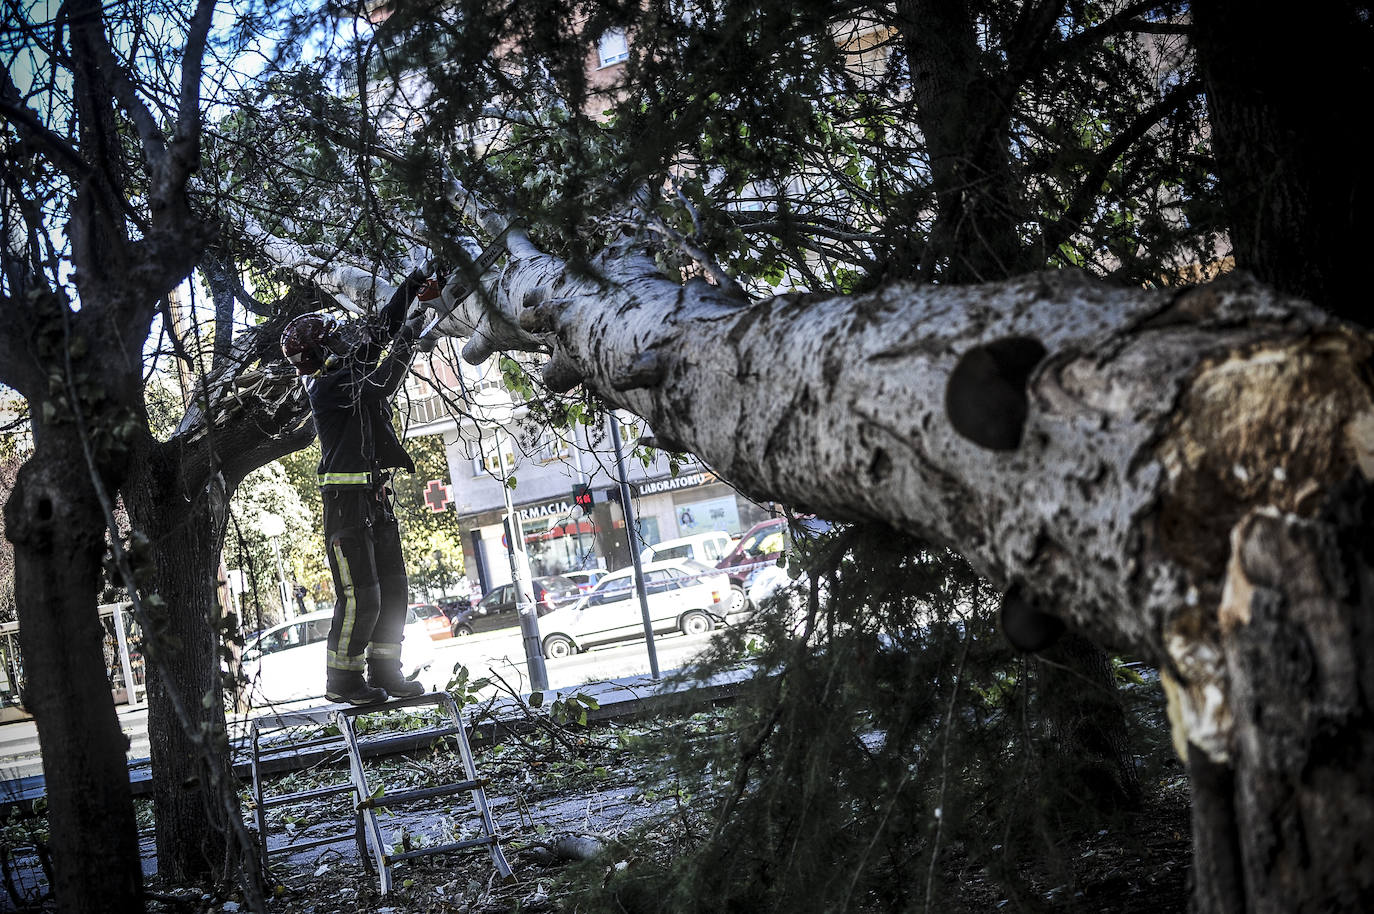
[1119,23]
[1089,189]
[185,145]
[61,153]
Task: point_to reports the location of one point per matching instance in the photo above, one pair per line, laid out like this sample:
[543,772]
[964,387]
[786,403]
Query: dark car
[760,545]
[497,608]
[452,606]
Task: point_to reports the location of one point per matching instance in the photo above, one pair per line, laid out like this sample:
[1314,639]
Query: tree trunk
[964,113]
[186,725]
[1086,722]
[56,525]
[1290,150]
[178,496]
[1110,475]
[1297,631]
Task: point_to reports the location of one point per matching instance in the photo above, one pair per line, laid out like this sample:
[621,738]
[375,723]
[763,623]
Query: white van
[707,548]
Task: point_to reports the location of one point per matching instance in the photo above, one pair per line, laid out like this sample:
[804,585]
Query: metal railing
[124,664]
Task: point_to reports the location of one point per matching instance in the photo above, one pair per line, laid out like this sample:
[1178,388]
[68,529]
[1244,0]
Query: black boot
[349,687]
[387,675]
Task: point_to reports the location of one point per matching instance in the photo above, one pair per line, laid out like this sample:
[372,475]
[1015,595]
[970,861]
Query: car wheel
[462,630]
[696,623]
[739,600]
[559,646]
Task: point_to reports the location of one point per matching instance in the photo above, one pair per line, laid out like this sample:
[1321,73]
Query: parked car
[771,579]
[286,662]
[760,546]
[497,608]
[707,548]
[683,594]
[434,619]
[452,604]
[585,579]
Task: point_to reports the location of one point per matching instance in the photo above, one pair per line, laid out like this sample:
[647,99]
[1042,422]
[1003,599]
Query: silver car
[286,662]
[683,595]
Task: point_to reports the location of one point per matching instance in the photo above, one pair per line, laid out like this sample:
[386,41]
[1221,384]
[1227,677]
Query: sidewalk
[618,698]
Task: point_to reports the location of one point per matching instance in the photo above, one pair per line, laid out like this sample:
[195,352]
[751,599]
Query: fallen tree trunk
[1110,452]
[1182,474]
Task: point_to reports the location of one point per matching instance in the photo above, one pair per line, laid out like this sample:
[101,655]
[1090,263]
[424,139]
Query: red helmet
[306,341]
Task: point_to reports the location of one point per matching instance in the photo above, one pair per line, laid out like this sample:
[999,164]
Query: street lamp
[632,534]
[495,415]
[272,527]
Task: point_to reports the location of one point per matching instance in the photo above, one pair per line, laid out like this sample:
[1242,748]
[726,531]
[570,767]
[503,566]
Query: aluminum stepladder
[366,831]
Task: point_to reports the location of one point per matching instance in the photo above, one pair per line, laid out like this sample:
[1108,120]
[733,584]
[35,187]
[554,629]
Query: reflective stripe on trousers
[370,587]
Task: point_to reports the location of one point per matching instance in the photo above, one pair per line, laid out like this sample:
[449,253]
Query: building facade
[490,439]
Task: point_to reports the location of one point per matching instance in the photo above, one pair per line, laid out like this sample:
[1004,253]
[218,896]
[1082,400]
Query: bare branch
[186,145]
[61,153]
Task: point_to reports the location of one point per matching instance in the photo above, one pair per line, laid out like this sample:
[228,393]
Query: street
[503,654]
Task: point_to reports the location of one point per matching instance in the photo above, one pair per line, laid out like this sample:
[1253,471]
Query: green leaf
[536,699]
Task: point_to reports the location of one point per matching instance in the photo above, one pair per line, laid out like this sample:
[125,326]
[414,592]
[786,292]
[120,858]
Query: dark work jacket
[351,404]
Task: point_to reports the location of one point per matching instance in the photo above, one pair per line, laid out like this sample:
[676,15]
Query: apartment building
[491,438]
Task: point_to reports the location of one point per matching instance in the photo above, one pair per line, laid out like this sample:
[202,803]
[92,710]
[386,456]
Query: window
[612,47]
[553,445]
[612,591]
[490,461]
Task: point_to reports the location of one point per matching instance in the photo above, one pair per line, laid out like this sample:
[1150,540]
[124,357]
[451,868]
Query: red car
[435,622]
[760,546]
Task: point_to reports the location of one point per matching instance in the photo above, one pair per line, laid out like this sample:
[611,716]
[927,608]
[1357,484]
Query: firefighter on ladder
[350,378]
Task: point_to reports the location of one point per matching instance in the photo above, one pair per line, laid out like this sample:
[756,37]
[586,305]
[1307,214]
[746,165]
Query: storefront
[675,506]
[560,537]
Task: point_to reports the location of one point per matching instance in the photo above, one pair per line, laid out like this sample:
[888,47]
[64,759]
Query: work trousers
[371,592]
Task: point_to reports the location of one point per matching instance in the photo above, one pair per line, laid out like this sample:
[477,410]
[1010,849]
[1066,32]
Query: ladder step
[395,704]
[308,845]
[410,736]
[279,746]
[281,800]
[420,793]
[442,849]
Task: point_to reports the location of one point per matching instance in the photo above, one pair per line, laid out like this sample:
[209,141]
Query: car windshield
[751,544]
[672,552]
[426,610]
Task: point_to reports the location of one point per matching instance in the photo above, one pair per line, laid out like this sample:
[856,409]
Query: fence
[124,664]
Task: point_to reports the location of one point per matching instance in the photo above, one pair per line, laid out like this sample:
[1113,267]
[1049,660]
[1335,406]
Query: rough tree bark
[964,111]
[178,496]
[80,369]
[1151,429]
[57,528]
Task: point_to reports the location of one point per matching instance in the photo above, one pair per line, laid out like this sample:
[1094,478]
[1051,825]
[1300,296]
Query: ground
[580,791]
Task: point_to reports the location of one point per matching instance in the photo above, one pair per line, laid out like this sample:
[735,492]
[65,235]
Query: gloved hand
[412,327]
